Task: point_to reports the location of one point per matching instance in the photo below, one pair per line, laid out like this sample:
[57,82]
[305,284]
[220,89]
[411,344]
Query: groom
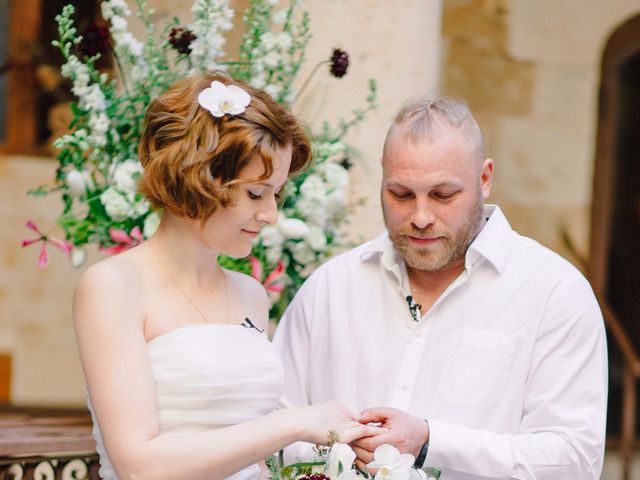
[481,351]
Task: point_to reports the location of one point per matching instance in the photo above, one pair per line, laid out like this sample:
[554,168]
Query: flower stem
[308,79]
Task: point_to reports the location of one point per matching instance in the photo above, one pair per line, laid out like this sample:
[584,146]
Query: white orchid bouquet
[337,463]
[98,166]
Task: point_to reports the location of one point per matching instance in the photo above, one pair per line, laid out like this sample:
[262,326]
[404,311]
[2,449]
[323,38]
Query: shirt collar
[381,248]
[491,244]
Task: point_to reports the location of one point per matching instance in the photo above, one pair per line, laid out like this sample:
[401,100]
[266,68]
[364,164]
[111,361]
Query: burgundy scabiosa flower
[180,39]
[339,63]
[95,40]
[313,476]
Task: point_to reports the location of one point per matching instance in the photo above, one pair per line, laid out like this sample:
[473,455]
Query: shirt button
[417,332]
[405,386]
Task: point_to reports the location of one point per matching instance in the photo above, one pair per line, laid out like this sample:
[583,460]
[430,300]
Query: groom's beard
[450,249]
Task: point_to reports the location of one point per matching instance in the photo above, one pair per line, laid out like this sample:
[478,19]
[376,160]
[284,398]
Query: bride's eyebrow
[267,184]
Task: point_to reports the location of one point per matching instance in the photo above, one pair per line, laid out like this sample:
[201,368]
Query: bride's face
[232,230]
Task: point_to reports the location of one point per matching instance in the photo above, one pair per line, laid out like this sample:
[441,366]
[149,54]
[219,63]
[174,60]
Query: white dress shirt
[509,365]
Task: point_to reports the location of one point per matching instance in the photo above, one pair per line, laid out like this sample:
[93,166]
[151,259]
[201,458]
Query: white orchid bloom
[221,99]
[293,228]
[350,475]
[392,465]
[341,458]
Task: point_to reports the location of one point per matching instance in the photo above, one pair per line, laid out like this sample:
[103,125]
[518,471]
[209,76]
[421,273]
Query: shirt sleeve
[292,340]
[562,430]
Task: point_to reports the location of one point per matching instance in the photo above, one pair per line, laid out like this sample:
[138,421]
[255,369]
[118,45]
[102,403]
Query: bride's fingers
[356,430]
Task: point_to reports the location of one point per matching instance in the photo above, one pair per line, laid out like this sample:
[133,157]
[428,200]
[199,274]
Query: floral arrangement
[98,168]
[337,463]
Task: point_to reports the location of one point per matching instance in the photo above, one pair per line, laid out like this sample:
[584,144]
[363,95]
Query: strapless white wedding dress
[209,376]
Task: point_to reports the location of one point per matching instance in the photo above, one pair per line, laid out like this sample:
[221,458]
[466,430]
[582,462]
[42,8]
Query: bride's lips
[424,240]
[251,233]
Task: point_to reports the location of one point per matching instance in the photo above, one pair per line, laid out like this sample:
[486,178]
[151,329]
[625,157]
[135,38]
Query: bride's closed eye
[258,196]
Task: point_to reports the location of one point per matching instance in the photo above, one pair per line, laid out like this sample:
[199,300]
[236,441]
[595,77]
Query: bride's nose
[268,213]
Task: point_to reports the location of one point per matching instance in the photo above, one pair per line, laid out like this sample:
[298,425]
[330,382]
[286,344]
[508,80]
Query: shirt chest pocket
[477,368]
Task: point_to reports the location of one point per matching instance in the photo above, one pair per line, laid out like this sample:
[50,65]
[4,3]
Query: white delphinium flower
[273,240]
[211,19]
[93,99]
[313,187]
[316,239]
[271,59]
[116,12]
[116,205]
[139,205]
[99,124]
[284,40]
[332,151]
[126,176]
[278,18]
[292,228]
[78,138]
[313,211]
[302,253]
[273,254]
[272,89]
[78,182]
[307,270]
[268,41]
[90,98]
[271,236]
[336,204]
[78,257]
[336,175]
[151,224]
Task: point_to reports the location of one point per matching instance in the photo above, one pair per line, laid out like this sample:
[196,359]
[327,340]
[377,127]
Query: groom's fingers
[364,455]
[357,430]
[374,415]
[368,443]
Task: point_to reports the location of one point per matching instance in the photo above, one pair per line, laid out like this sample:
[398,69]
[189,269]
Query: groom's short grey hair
[420,118]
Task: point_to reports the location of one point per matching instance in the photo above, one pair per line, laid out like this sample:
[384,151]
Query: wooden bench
[46,444]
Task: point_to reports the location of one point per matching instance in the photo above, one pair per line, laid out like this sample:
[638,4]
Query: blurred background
[554,84]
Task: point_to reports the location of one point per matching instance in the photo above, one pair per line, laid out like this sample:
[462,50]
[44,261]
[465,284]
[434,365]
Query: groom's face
[433,191]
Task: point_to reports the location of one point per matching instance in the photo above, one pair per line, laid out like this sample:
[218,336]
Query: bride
[182,381]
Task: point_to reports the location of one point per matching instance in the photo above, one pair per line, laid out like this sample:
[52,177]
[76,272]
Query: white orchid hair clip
[221,99]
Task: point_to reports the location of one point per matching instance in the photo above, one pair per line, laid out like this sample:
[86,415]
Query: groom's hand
[405,432]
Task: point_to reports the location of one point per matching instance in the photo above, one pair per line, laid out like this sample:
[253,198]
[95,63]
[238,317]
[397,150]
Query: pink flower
[269,282]
[43,258]
[123,240]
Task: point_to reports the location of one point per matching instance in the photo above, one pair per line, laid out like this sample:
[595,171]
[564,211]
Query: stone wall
[530,71]
[395,42]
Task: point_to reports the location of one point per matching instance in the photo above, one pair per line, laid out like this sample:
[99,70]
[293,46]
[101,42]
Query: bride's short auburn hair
[192,160]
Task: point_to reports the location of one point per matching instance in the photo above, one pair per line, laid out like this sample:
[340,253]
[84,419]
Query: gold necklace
[226,287]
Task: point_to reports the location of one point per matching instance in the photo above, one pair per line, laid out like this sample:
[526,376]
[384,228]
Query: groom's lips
[424,240]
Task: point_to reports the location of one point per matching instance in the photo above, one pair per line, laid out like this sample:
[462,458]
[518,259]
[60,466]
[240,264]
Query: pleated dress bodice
[209,376]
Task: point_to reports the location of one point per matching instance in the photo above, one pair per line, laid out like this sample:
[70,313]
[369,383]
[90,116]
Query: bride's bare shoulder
[117,277]
[246,285]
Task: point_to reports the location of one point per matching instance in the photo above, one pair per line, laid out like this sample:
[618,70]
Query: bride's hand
[317,421]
